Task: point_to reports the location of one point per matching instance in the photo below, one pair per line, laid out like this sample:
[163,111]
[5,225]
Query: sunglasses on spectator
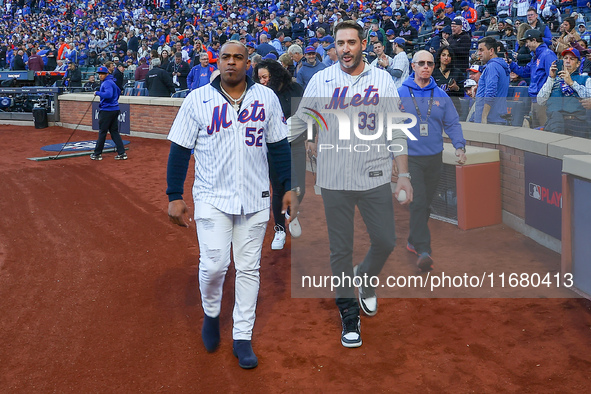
[422,63]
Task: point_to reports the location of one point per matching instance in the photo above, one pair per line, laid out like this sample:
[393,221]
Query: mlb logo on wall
[535,191]
[546,195]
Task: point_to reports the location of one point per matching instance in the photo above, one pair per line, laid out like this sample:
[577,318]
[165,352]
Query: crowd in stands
[184,37]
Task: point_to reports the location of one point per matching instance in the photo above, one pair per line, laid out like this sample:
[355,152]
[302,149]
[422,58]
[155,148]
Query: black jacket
[460,45]
[182,68]
[292,93]
[118,75]
[159,83]
[74,78]
[18,63]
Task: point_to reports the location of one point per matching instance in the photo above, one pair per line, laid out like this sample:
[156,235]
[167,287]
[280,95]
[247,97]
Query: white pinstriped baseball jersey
[231,170]
[355,163]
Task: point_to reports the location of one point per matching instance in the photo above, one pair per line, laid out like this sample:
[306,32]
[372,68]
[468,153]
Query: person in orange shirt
[469,13]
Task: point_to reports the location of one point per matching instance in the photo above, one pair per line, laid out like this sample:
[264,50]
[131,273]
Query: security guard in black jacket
[158,81]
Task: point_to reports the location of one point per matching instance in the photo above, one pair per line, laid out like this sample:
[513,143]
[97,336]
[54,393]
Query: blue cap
[390,32]
[328,39]
[329,47]
[250,44]
[310,50]
[102,70]
[313,40]
[400,41]
[464,4]
[373,34]
[270,56]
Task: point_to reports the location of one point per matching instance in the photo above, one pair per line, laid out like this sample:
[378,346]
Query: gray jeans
[377,211]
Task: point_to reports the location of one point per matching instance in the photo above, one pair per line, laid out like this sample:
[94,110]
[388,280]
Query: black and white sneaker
[95,156]
[122,156]
[351,335]
[368,300]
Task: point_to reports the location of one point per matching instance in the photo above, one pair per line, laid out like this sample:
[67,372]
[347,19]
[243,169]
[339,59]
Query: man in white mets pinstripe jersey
[355,167]
[230,124]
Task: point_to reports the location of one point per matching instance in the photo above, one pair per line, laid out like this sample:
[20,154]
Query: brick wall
[145,118]
[72,111]
[155,119]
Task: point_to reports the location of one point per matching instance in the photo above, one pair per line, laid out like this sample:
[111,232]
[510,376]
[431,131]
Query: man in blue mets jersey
[230,124]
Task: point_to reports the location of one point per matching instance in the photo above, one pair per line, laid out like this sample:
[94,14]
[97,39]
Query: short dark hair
[489,43]
[349,24]
[533,9]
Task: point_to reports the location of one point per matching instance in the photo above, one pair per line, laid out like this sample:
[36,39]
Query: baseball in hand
[402,195]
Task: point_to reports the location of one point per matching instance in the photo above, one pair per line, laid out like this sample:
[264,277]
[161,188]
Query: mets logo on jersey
[219,119]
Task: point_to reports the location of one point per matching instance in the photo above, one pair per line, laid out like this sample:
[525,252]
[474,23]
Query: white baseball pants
[217,232]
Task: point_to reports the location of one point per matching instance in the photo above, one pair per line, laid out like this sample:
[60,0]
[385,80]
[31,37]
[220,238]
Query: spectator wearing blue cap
[331,55]
[537,69]
[370,54]
[561,96]
[449,10]
[310,67]
[387,23]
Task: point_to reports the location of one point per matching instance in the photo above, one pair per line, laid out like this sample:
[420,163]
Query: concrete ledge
[484,133]
[77,97]
[141,100]
[142,134]
[518,224]
[577,165]
[530,140]
[569,146]
[475,155]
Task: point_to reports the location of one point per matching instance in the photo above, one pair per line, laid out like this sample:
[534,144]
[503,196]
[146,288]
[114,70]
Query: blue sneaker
[425,262]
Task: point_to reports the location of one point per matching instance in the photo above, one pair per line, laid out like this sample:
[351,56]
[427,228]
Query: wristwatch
[404,175]
[463,148]
[297,191]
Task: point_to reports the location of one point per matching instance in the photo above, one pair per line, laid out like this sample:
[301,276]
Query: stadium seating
[129,92]
[141,92]
[139,84]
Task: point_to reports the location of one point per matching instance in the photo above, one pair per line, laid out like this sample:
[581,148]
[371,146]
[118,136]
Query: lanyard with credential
[417,107]
[423,125]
